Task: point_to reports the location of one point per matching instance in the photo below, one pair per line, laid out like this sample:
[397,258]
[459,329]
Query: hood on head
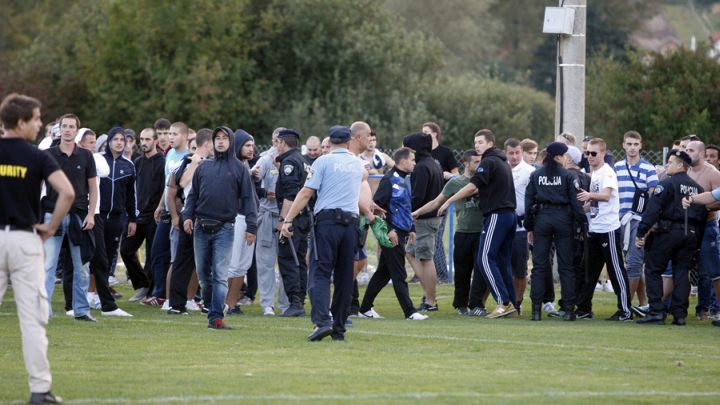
[419,142]
[101,141]
[241,138]
[80,134]
[231,136]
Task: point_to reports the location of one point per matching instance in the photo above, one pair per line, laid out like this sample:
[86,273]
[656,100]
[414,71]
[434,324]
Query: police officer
[292,173]
[551,209]
[675,239]
[336,178]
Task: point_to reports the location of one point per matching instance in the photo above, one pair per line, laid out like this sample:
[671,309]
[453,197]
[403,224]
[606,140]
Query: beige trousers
[22,262]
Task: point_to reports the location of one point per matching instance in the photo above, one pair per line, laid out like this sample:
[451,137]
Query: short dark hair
[183,128]
[511,143]
[402,153]
[17,107]
[433,127]
[469,154]
[487,134]
[204,135]
[632,134]
[290,141]
[691,137]
[713,146]
[161,123]
[373,133]
[70,116]
[154,133]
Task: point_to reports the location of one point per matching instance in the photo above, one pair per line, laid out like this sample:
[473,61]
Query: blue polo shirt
[336,177]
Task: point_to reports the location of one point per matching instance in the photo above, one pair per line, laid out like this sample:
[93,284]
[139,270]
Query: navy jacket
[394,195]
[117,191]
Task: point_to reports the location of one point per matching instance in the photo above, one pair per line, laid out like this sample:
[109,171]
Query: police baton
[292,246]
[686,221]
[586,251]
[312,235]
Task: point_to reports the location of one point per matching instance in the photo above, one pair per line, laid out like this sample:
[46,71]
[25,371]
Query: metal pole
[570,83]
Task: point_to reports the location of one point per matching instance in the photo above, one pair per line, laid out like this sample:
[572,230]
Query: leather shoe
[651,318]
[679,321]
[320,333]
[536,313]
[569,316]
[44,398]
[294,311]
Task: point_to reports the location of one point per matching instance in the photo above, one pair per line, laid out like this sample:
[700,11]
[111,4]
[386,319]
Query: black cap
[339,132]
[681,155]
[288,132]
[556,149]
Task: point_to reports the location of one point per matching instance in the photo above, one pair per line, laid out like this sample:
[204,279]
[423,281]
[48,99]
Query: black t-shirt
[78,167]
[445,158]
[22,170]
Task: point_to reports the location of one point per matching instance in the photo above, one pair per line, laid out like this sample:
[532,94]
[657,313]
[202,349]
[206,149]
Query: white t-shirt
[604,216]
[521,179]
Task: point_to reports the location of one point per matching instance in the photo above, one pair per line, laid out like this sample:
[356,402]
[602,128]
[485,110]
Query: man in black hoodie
[221,188]
[426,183]
[493,182]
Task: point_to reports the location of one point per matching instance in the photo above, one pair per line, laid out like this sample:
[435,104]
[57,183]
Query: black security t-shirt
[22,170]
[78,167]
[445,158]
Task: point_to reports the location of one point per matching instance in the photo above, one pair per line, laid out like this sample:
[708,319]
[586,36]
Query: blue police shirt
[336,177]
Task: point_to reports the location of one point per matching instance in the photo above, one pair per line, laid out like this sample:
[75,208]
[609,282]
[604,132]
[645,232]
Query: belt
[17,228]
[337,215]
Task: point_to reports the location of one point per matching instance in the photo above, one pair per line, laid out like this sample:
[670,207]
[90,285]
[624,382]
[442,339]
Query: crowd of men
[216,220]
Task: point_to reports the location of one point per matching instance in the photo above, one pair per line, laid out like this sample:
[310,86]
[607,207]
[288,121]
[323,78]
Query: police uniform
[336,177]
[670,241]
[551,209]
[292,173]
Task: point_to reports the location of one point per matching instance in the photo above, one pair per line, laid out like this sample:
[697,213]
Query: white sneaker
[370,314]
[140,294]
[116,312]
[112,281]
[191,305]
[269,311]
[549,308]
[70,313]
[608,286]
[417,316]
[93,300]
[599,287]
[165,306]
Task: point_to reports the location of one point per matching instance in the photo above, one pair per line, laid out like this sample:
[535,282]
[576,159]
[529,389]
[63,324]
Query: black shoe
[320,333]
[620,317]
[177,311]
[294,311]
[638,311]
[85,318]
[679,321]
[569,316]
[716,323]
[236,311]
[425,307]
[44,398]
[337,338]
[536,313]
[651,318]
[204,309]
[584,315]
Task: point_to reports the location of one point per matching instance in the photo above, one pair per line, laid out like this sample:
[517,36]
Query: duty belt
[339,216]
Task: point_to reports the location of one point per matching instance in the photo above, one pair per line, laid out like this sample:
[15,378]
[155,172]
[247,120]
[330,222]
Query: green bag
[379,229]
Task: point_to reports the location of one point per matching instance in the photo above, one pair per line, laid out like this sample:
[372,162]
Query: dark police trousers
[183,266]
[336,245]
[663,247]
[553,225]
[391,266]
[605,249]
[469,283]
[295,277]
[139,276]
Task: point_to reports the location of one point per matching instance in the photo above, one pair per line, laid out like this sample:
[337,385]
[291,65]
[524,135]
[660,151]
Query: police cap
[339,132]
[556,149]
[681,155]
[288,132]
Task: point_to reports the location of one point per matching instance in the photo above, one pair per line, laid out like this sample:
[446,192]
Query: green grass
[156,358]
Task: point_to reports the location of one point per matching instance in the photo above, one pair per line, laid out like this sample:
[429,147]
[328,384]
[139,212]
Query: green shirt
[468,213]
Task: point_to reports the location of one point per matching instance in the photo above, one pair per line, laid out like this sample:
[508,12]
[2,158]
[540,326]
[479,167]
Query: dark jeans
[212,259]
[139,275]
[391,266]
[183,267]
[160,258]
[104,231]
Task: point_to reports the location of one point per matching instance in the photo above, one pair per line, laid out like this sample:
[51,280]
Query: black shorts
[520,255]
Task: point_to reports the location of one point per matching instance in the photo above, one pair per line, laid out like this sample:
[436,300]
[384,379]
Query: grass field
[158,358]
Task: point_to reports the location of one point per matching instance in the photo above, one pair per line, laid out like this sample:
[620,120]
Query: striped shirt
[644,175]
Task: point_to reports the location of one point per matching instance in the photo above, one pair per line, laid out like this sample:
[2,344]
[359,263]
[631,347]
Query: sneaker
[620,317]
[463,311]
[140,294]
[269,311]
[235,311]
[218,324]
[693,291]
[714,315]
[173,311]
[370,314]
[115,294]
[112,281]
[702,315]
[478,311]
[94,300]
[44,398]
[117,312]
[165,305]
[226,308]
[348,323]
[85,318]
[153,301]
[245,301]
[501,311]
[417,316]
[355,315]
[639,311]
[204,310]
[550,310]
[609,287]
[599,287]
[584,315]
[70,313]
[425,307]
[191,305]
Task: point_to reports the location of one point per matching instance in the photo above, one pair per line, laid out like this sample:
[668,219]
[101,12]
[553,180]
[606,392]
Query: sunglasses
[591,153]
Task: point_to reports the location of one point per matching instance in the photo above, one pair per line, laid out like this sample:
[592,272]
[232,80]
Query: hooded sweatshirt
[222,188]
[241,138]
[494,180]
[427,178]
[117,191]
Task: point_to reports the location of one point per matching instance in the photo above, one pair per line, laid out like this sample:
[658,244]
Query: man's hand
[176,222]
[393,236]
[157,214]
[639,242]
[378,211]
[270,196]
[132,227]
[196,159]
[370,218]
[686,202]
[188,226]
[44,231]
[255,172]
[411,238]
[443,208]
[530,238]
[89,222]
[285,229]
[415,215]
[583,196]
[250,238]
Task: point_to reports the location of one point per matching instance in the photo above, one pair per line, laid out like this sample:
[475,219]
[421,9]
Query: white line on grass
[389,396]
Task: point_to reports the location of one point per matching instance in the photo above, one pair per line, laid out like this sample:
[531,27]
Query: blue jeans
[634,256]
[160,258]
[212,259]
[708,266]
[81,277]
